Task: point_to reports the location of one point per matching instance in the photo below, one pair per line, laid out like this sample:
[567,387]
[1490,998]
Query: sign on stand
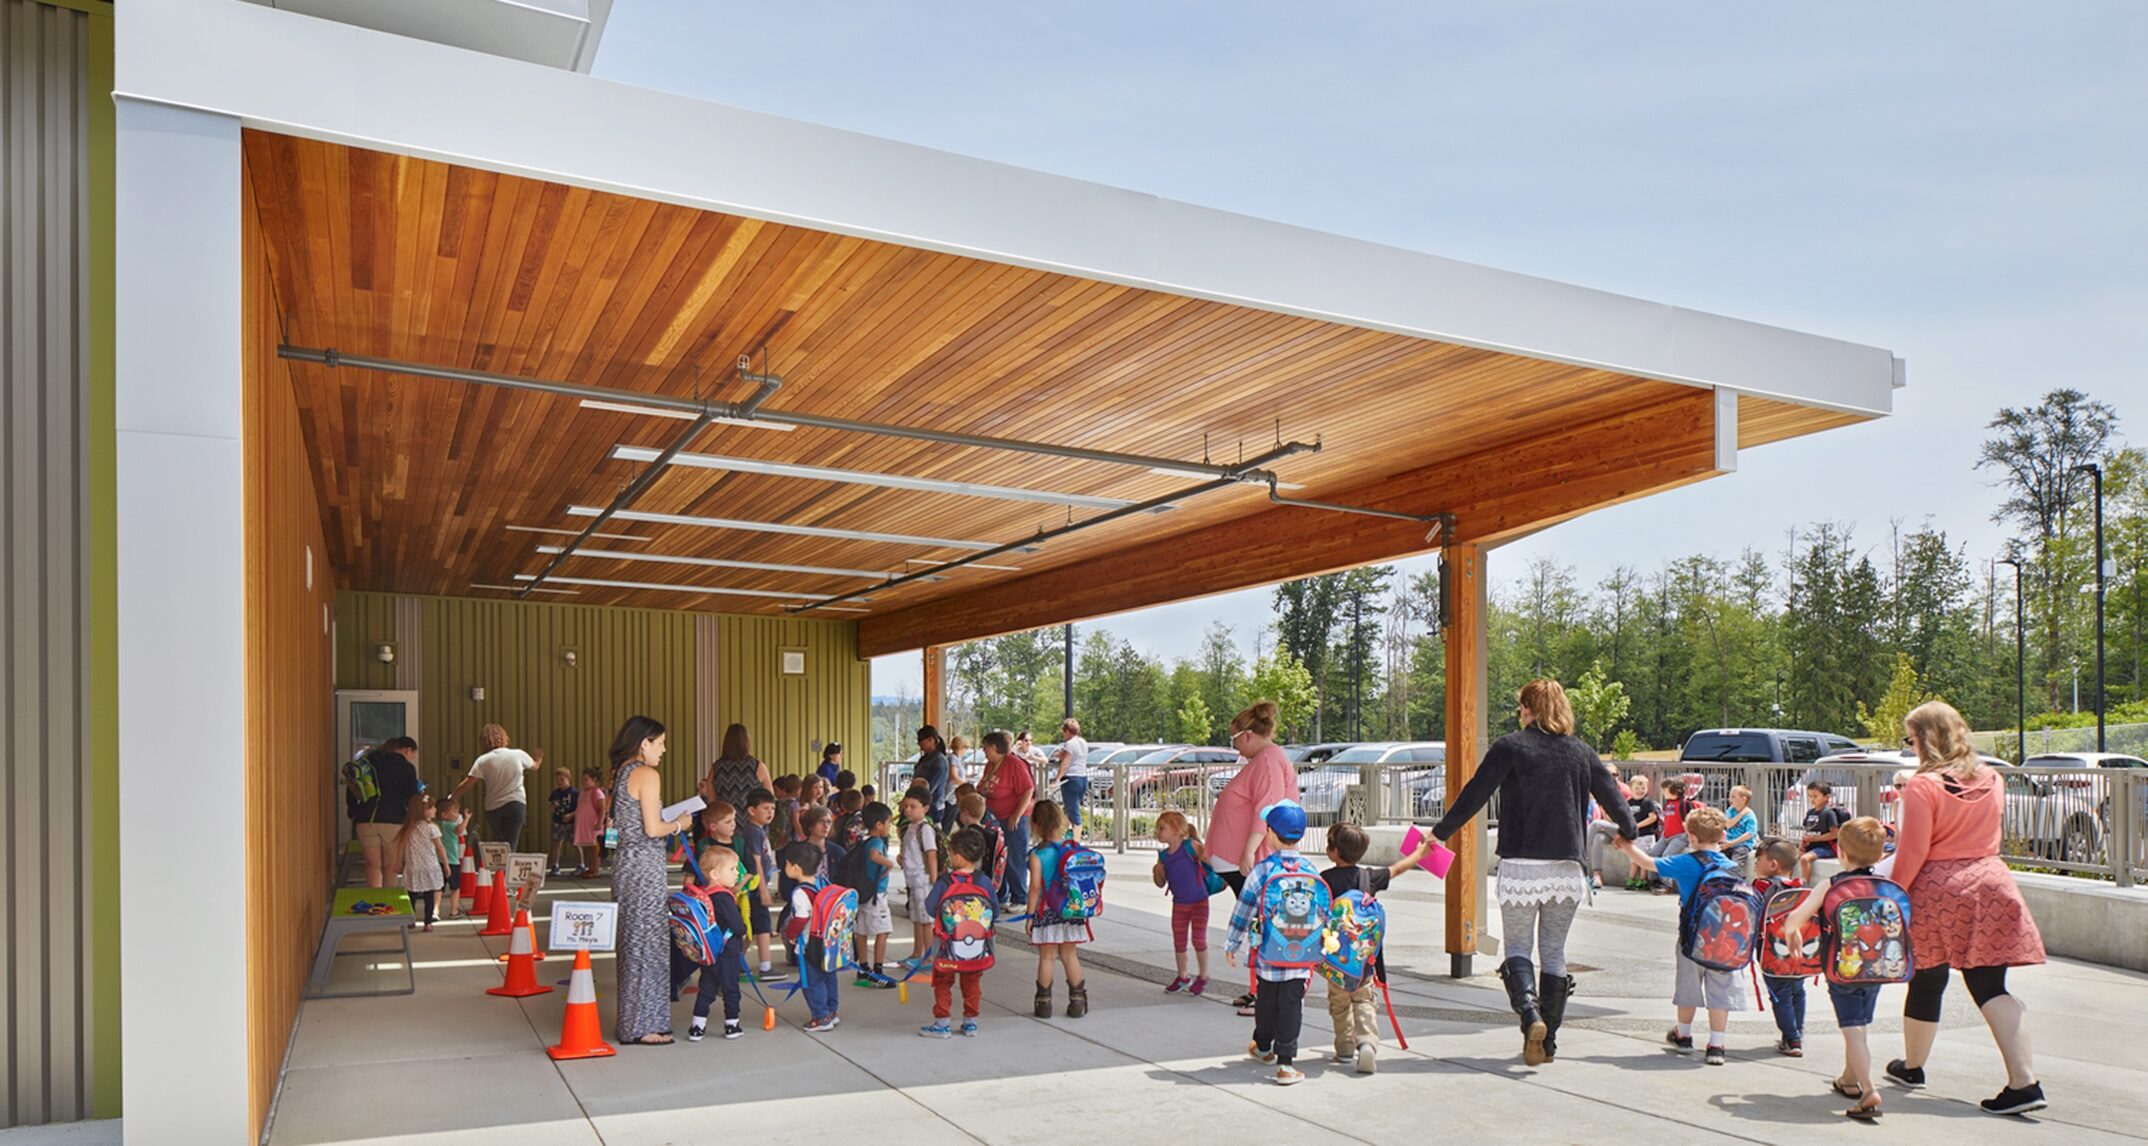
[526,870]
[493,854]
[580,926]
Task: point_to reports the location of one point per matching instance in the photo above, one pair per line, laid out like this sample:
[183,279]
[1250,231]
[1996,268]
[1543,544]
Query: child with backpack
[970,813]
[1182,870]
[810,922]
[1356,965]
[1283,911]
[1065,884]
[870,871]
[1780,891]
[717,888]
[1718,926]
[920,871]
[1865,921]
[963,906]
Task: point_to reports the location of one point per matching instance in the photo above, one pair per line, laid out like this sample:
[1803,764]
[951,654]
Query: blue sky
[1965,184]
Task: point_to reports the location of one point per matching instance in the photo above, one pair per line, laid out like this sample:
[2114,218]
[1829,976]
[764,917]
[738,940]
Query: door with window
[366,719]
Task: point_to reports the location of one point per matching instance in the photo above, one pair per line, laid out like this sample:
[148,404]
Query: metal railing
[2131,739]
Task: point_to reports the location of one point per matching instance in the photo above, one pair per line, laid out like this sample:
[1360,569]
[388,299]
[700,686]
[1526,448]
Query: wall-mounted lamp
[385,654]
[477,692]
[569,656]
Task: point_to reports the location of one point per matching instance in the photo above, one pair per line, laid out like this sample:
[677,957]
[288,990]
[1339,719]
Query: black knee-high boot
[1552,993]
[1520,977]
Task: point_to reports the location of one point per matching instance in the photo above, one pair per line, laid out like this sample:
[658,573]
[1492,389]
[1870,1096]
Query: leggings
[1929,985]
[1189,922]
[1538,927]
[422,904]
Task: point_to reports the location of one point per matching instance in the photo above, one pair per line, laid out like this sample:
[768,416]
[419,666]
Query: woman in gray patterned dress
[643,960]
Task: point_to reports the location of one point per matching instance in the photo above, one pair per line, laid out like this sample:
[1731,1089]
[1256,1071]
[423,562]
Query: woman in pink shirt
[1964,911]
[1237,839]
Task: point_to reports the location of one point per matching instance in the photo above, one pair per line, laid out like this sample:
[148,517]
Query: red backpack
[962,927]
[1778,958]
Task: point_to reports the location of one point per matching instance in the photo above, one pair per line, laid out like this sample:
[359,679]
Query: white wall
[181,627]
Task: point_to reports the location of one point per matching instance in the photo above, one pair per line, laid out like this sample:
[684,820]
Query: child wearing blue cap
[1283,908]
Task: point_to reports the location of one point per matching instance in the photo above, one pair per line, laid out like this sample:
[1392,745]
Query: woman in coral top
[1965,912]
[1237,839]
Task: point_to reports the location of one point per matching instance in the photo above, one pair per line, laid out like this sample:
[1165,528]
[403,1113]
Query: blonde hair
[1706,825]
[1177,820]
[1257,718]
[1942,739]
[413,816]
[491,736]
[1863,841]
[1548,707]
[1742,790]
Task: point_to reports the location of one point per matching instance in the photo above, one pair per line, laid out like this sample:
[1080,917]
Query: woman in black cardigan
[1544,776]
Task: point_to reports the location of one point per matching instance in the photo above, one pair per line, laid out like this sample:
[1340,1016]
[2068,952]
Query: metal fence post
[2125,824]
[1118,806]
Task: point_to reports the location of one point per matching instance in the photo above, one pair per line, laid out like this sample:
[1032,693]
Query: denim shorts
[1854,1006]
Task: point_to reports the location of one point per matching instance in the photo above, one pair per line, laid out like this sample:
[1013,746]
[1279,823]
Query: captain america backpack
[1866,921]
[1720,926]
[1350,945]
[1779,958]
[962,927]
[1294,905]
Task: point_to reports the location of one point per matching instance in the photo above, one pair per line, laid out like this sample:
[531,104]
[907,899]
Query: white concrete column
[182,625]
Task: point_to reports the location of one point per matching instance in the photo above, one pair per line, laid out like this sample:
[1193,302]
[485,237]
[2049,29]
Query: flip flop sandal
[1850,1092]
[1863,1113]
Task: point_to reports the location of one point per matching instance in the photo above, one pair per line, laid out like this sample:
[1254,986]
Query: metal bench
[342,924]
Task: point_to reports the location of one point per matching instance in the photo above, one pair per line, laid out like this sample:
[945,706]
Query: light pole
[2095,471]
[2021,666]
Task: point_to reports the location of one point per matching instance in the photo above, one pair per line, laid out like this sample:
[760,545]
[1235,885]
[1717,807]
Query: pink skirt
[1967,913]
[588,824]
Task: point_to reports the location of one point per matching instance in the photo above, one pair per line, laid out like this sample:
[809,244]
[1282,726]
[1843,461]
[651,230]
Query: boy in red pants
[962,910]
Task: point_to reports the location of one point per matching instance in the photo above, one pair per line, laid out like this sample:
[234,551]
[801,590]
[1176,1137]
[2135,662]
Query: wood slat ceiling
[411,259]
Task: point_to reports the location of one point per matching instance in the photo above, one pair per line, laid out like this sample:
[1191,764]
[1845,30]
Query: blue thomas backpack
[1294,906]
[1721,925]
[1073,885]
[694,927]
[1350,943]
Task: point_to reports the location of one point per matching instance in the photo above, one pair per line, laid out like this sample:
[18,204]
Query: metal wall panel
[791,715]
[47,1058]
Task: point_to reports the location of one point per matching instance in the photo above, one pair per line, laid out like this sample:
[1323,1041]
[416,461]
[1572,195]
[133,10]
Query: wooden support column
[1465,637]
[935,685]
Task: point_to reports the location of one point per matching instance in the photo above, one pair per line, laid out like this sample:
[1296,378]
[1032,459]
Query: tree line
[1837,630]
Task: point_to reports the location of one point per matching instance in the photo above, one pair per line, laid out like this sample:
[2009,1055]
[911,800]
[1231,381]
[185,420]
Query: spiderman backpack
[1866,921]
[1778,958]
[962,927]
[1720,926]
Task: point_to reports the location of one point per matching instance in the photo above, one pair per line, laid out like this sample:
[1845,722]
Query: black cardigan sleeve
[1491,772]
[1604,786]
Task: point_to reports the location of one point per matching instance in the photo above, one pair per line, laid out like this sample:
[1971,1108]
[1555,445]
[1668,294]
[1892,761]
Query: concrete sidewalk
[452,1064]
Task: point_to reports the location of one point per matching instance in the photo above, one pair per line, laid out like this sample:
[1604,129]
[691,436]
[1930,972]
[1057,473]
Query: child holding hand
[1862,842]
[1697,987]
[1279,1005]
[1183,872]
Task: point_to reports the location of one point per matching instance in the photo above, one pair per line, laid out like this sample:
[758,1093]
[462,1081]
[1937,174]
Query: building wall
[290,715]
[59,1055]
[695,672]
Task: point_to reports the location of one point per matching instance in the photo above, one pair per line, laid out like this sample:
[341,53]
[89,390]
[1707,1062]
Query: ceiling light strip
[719,563]
[971,565]
[682,415]
[779,527]
[695,589]
[518,589]
[866,477]
[572,532]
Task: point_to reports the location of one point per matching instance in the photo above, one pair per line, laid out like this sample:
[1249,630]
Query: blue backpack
[695,929]
[1073,885]
[1722,923]
[1294,905]
[1356,929]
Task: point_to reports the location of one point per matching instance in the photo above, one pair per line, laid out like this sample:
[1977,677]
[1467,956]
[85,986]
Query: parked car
[1424,788]
[1303,756]
[2066,818]
[1155,780]
[1761,746]
[1104,765]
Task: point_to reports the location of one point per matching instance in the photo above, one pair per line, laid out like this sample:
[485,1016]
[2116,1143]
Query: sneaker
[1904,1073]
[820,1026]
[1258,1055]
[1790,1048]
[1288,1076]
[772,975]
[2025,1100]
[969,1028]
[1342,1056]
[1200,984]
[1368,1060]
[1176,985]
[937,1029]
[1683,1044]
[834,1021]
[1715,1055]
[696,1034]
[731,1029]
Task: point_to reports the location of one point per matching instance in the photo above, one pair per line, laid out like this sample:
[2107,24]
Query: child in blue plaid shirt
[1279,1006]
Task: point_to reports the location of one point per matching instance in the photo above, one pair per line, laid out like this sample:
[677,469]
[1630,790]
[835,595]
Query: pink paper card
[1438,860]
[1412,839]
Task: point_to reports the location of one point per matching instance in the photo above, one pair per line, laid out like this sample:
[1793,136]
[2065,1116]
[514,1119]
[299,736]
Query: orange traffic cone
[500,921]
[481,899]
[534,945]
[582,1035]
[468,888]
[521,965]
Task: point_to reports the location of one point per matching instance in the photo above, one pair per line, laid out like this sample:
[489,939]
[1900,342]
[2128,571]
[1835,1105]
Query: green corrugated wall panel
[790,716]
[364,622]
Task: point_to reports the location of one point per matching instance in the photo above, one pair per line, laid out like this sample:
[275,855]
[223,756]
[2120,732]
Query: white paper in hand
[686,807]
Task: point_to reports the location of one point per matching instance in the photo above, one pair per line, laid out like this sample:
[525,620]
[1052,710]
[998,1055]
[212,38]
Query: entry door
[365,719]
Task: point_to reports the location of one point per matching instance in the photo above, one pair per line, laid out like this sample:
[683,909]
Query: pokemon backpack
[695,930]
[962,927]
[1720,926]
[1350,943]
[1294,906]
[1777,957]
[1073,885]
[1866,921]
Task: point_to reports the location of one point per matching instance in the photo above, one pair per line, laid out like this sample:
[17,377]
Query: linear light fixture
[573,533]
[697,590]
[518,589]
[778,527]
[972,565]
[718,562]
[681,415]
[865,477]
